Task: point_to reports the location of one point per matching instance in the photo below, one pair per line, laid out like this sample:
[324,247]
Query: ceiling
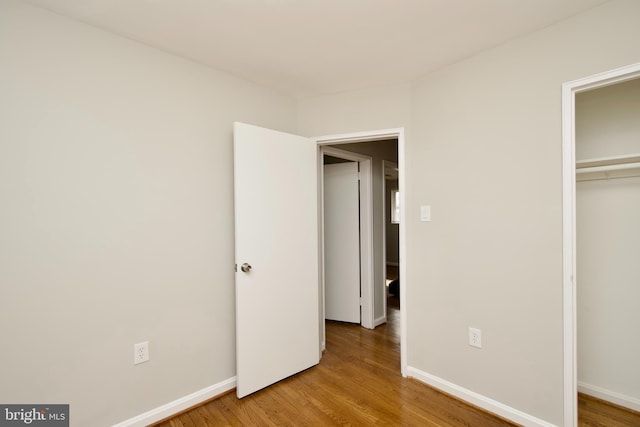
[312,47]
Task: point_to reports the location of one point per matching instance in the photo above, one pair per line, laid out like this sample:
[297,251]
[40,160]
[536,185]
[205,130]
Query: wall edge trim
[478,400]
[610,396]
[167,410]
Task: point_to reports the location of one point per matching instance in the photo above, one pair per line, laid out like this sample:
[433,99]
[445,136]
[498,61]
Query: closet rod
[608,168]
[606,161]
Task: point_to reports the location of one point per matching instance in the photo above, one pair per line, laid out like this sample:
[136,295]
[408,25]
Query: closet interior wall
[608,242]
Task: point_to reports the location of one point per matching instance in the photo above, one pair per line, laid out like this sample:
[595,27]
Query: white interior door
[342,242]
[276,220]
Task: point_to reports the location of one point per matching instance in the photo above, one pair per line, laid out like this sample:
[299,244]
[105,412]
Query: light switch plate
[425,213]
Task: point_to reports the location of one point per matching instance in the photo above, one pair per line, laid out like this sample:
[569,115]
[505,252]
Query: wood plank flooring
[358,383]
[594,412]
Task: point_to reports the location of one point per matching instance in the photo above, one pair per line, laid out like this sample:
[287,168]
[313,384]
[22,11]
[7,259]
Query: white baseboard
[478,400]
[179,405]
[609,396]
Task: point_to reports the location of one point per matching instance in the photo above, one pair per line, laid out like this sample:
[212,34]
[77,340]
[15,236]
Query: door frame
[367,283]
[369,136]
[569,279]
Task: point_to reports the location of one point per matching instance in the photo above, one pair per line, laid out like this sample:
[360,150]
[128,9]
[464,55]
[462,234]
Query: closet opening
[601,202]
[607,149]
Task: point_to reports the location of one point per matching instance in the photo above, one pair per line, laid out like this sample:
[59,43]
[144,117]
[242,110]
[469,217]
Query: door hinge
[235,268]
[360,301]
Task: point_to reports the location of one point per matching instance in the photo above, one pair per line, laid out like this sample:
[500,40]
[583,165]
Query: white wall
[608,244]
[486,154]
[362,110]
[116,222]
[483,148]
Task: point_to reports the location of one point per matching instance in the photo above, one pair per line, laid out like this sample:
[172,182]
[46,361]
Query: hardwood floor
[358,383]
[594,412]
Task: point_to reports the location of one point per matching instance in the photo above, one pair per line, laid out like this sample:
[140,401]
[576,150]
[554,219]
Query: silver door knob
[246,267]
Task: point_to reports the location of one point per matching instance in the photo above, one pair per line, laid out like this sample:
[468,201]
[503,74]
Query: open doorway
[383,155]
[289,257]
[355,142]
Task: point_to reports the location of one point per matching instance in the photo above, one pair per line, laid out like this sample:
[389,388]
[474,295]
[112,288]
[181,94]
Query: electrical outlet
[141,352]
[475,337]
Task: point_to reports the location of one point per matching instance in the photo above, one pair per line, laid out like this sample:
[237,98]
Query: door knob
[246,267]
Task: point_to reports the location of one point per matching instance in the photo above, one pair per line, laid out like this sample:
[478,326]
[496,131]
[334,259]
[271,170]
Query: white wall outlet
[475,337]
[141,352]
